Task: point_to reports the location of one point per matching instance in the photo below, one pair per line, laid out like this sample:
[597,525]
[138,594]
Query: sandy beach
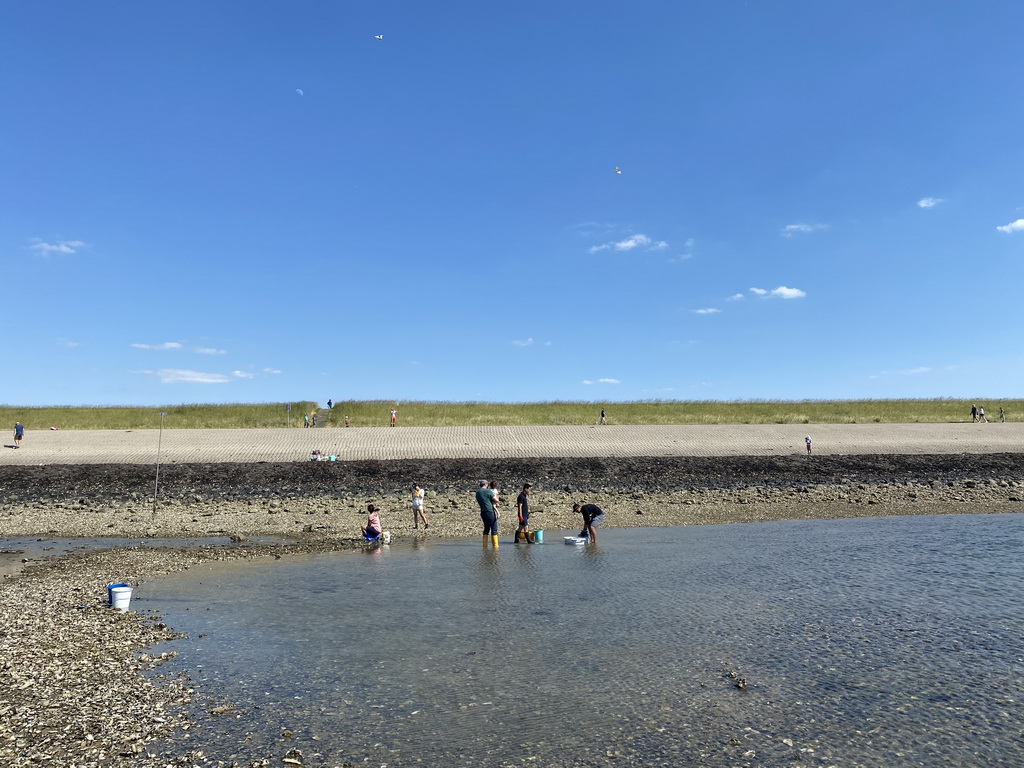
[72,667]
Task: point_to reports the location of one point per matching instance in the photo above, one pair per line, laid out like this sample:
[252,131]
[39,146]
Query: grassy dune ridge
[376,413]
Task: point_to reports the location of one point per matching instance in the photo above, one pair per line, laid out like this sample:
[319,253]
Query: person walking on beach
[305,421]
[1002,415]
[974,413]
[346,421]
[373,528]
[523,513]
[592,517]
[418,496]
[19,432]
[330,405]
[807,439]
[487,498]
[981,414]
[602,416]
[394,415]
[314,419]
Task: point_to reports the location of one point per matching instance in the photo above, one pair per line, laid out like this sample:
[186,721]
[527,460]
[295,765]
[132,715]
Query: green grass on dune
[192,416]
[376,413]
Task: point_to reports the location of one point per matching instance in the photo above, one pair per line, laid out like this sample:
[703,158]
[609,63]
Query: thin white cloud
[523,342]
[272,371]
[759,291]
[929,202]
[736,297]
[608,381]
[210,351]
[587,381]
[242,375]
[630,243]
[165,345]
[788,293]
[706,311]
[179,376]
[62,246]
[1013,226]
[915,371]
[791,229]
[66,343]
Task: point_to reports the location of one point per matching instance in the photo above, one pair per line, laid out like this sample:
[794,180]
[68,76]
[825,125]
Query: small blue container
[538,536]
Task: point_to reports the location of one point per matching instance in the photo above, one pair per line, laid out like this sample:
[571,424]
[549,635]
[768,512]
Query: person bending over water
[592,517]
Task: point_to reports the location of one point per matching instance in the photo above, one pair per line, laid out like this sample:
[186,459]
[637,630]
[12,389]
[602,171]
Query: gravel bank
[73,674]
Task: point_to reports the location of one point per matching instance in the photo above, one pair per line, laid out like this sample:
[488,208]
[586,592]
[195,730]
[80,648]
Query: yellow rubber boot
[486,537]
[494,541]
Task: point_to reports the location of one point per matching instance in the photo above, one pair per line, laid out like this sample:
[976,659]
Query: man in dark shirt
[523,510]
[592,517]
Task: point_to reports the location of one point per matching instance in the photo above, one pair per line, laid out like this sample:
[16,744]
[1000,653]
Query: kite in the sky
[299,91]
[617,169]
[378,37]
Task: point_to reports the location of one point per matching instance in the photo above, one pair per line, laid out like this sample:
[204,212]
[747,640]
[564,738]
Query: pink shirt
[373,519]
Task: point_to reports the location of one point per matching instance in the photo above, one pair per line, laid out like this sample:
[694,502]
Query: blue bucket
[538,536]
[110,592]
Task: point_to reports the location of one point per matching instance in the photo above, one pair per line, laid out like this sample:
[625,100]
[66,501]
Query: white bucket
[121,597]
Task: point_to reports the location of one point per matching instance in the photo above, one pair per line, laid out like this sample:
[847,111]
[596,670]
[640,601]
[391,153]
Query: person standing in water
[487,498]
[523,513]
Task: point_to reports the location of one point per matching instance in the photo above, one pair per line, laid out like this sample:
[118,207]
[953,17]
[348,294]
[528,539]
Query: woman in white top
[418,496]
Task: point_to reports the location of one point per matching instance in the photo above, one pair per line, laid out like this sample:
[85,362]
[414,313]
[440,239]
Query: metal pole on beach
[159,443]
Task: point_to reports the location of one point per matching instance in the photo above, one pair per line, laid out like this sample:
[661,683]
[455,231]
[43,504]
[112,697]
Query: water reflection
[880,642]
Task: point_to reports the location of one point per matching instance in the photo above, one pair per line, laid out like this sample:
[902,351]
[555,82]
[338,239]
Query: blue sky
[252,202]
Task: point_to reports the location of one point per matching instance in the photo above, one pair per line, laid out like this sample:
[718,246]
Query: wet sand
[74,688]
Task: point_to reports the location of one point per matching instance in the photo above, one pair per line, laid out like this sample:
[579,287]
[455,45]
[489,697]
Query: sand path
[383,443]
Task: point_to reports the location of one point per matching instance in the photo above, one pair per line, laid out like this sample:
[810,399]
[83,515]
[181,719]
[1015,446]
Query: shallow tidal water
[867,642]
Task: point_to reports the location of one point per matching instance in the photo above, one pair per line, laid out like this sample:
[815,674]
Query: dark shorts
[372,532]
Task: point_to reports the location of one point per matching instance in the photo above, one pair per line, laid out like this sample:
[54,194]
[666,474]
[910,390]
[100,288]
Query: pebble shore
[82,683]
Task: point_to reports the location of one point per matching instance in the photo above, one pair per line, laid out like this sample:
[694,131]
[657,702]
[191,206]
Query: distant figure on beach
[592,517]
[394,415]
[487,498]
[807,439]
[19,432]
[305,421]
[1002,415]
[523,513]
[346,421]
[602,416]
[314,419]
[981,414]
[373,527]
[330,405]
[418,501]
[974,413]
